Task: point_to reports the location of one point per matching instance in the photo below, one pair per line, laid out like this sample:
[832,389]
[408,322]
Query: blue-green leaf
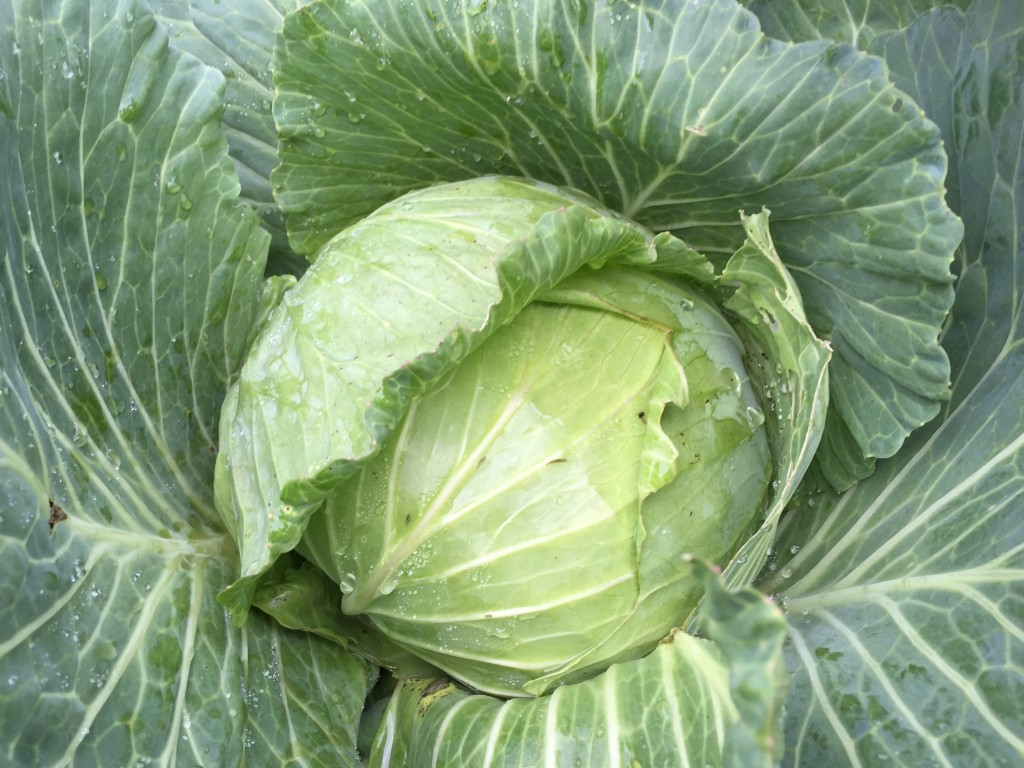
[237,38]
[129,282]
[906,639]
[856,22]
[677,113]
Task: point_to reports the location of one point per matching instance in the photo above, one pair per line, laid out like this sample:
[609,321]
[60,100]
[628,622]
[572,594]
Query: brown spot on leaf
[435,686]
[57,515]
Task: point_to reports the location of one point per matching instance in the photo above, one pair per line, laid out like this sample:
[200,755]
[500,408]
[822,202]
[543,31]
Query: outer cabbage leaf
[237,38]
[906,639]
[300,596]
[705,701]
[856,22]
[129,282]
[676,114]
[974,96]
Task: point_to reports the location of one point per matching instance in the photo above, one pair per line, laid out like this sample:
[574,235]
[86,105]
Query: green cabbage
[276,277]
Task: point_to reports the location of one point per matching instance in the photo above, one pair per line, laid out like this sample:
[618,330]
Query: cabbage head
[573,413]
[572,410]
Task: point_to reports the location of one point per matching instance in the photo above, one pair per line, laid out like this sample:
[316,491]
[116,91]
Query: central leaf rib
[364,593]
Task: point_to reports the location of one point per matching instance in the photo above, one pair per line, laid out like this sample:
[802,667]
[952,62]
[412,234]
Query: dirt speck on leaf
[57,515]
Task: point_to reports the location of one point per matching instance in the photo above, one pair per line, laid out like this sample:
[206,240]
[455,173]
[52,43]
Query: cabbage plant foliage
[511,382]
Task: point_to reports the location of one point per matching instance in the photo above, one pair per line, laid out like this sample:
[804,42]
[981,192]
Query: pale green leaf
[300,596]
[692,701]
[388,308]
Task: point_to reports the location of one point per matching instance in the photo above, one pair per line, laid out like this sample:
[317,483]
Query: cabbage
[524,521]
[405,382]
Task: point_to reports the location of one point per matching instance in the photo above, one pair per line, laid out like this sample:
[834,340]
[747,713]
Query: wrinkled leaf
[676,113]
[238,39]
[856,22]
[904,595]
[129,280]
